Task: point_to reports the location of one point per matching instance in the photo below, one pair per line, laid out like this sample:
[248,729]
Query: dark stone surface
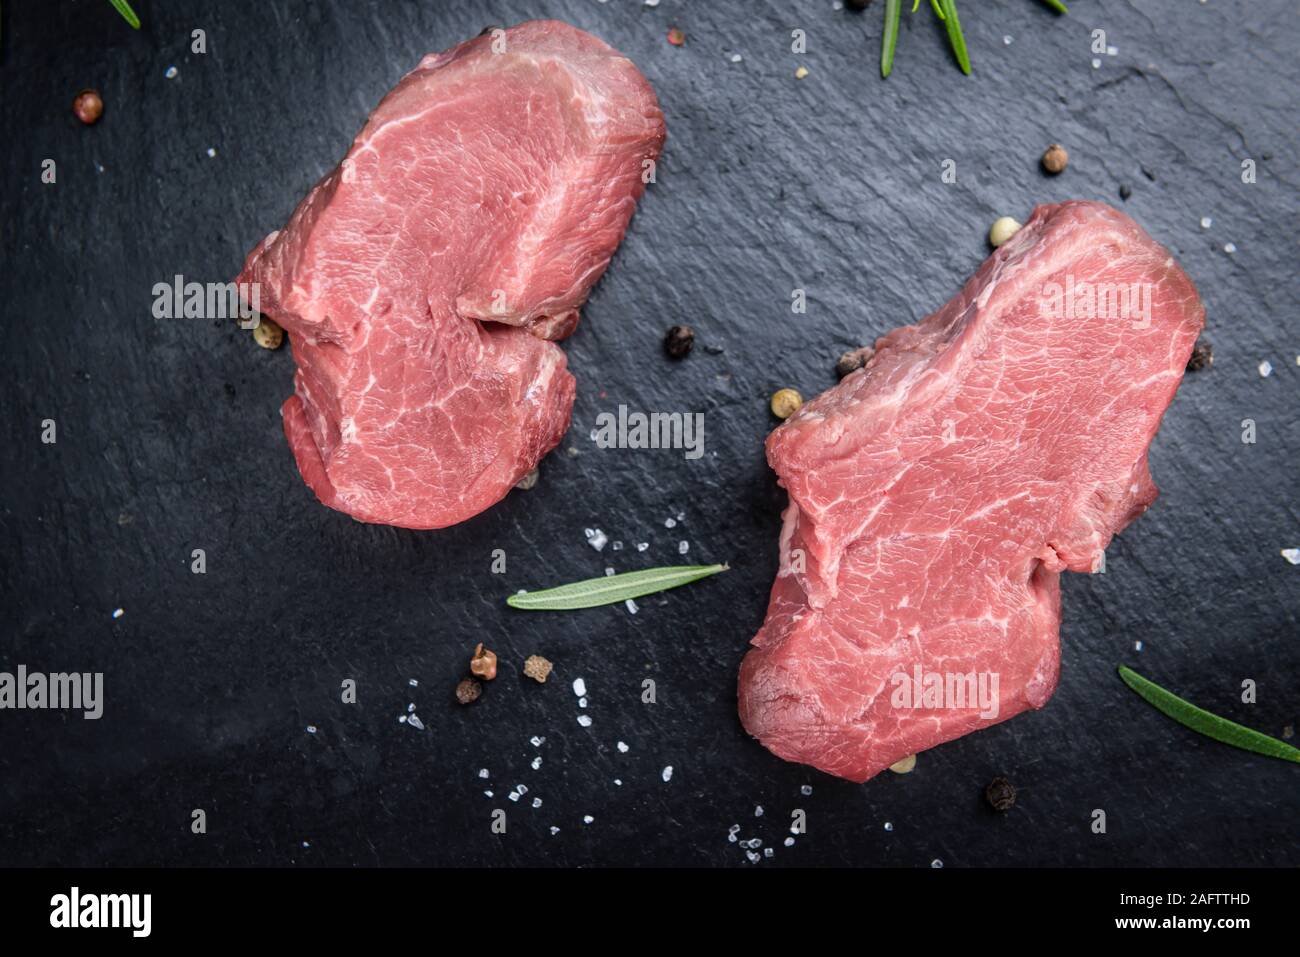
[169,439]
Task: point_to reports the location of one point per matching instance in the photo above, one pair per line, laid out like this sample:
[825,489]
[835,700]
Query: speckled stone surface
[169,440]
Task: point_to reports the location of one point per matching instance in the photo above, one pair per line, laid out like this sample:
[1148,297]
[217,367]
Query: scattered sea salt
[1096,64]
[683,547]
[579,687]
[536,742]
[1206,222]
[1266,368]
[768,852]
[623,747]
[888,826]
[483,772]
[537,762]
[753,858]
[1292,555]
[1006,39]
[311,729]
[758,811]
[416,723]
[806,790]
[736,58]
[537,802]
[521,788]
[936,863]
[171,73]
[595,538]
[410,708]
[618,782]
[609,571]
[587,819]
[789,842]
[488,793]
[1229,248]
[211,152]
[1112,51]
[118,613]
[668,773]
[652,3]
[1137,646]
[632,607]
[584,720]
[582,702]
[554,829]
[402,720]
[513,795]
[642,546]
[413,683]
[616,546]
[732,837]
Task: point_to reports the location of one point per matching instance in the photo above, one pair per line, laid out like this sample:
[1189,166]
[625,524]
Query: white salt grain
[806,790]
[171,73]
[413,683]
[483,772]
[1266,368]
[521,788]
[587,819]
[554,829]
[618,782]
[668,773]
[1096,64]
[513,795]
[488,793]
[537,762]
[683,547]
[753,858]
[536,741]
[736,58]
[758,811]
[936,863]
[642,546]
[789,842]
[768,852]
[1206,222]
[888,826]
[1292,555]
[609,572]
[1230,248]
[584,720]
[582,702]
[670,522]
[1137,646]
[311,729]
[537,802]
[579,687]
[632,608]
[623,747]
[118,613]
[595,538]
[416,723]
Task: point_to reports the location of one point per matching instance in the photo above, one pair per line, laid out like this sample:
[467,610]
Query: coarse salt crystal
[888,826]
[609,571]
[1096,64]
[632,607]
[1206,222]
[211,152]
[668,773]
[1229,248]
[579,687]
[171,73]
[118,613]
[753,858]
[768,852]
[521,788]
[1266,368]
[618,781]
[537,802]
[736,58]
[536,741]
[595,538]
[936,863]
[513,795]
[1137,646]
[537,762]
[416,723]
[402,720]
[789,842]
[806,790]
[1292,555]
[554,829]
[582,702]
[587,819]
[623,747]
[584,720]
[311,729]
[683,547]
[758,811]
[413,683]
[488,793]
[483,772]
[642,546]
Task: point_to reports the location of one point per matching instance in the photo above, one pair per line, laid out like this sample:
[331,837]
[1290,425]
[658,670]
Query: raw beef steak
[423,280]
[937,493]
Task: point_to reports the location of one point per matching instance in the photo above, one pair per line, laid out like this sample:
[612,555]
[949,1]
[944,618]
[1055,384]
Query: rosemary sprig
[949,17]
[1203,722]
[124,8]
[889,42]
[946,10]
[611,588]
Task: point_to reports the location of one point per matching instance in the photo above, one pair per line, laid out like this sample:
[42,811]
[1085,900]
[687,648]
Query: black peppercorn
[678,341]
[1001,794]
[1202,357]
[468,690]
[1125,191]
[853,360]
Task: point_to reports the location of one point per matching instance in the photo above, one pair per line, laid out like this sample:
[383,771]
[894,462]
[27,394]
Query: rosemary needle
[889,42]
[612,588]
[124,8]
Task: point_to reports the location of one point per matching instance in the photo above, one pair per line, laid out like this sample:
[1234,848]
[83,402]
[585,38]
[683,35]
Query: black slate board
[169,439]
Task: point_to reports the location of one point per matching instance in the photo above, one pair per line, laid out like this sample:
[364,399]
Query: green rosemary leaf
[1056,5]
[889,42]
[612,588]
[1203,722]
[124,8]
[954,34]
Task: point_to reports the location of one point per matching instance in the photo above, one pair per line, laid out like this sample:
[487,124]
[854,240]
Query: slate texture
[169,440]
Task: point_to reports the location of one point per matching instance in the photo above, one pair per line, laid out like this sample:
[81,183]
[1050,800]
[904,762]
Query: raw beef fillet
[937,493]
[424,280]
